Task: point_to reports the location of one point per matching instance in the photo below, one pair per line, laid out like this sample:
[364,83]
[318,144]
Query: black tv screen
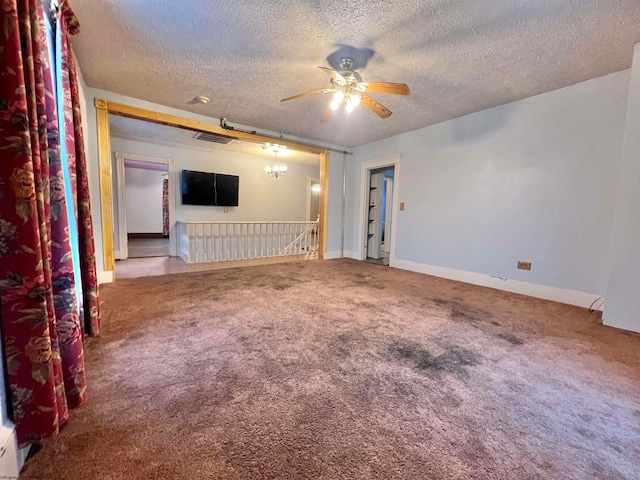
[226,190]
[197,188]
[212,189]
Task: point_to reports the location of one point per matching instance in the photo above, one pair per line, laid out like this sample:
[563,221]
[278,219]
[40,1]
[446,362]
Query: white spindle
[242,238]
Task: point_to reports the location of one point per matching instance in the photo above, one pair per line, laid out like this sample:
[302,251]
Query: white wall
[622,308]
[532,180]
[143,190]
[335,210]
[335,166]
[314,204]
[260,197]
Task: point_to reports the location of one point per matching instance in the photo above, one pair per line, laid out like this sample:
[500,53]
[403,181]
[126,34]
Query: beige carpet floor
[346,370]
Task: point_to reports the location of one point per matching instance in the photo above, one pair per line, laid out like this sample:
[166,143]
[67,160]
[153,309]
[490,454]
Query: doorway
[313,199]
[104,108]
[379,209]
[380,216]
[144,207]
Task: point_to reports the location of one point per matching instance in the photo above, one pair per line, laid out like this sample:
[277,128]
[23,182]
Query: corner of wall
[12,458]
[623,282]
[105,276]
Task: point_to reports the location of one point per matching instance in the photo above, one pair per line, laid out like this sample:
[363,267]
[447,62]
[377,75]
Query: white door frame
[174,184]
[310,182]
[388,214]
[123,251]
[365,171]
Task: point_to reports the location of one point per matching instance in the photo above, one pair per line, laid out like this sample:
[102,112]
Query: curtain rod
[223,124]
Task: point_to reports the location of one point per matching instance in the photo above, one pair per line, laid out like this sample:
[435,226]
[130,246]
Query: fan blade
[375,106]
[335,76]
[306,94]
[384,87]
[326,116]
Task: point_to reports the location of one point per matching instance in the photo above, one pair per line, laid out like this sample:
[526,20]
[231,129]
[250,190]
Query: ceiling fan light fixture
[354,100]
[351,102]
[347,87]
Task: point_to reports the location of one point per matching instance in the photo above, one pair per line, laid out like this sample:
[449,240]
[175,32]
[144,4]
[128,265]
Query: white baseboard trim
[332,255]
[571,297]
[12,459]
[352,254]
[116,254]
[105,277]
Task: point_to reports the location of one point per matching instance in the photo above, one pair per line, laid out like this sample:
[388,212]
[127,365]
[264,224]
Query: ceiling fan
[348,89]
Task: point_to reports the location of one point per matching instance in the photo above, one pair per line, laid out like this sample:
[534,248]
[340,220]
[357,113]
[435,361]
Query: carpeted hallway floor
[346,370]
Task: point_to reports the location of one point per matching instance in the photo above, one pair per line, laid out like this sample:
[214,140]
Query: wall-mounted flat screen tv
[212,189]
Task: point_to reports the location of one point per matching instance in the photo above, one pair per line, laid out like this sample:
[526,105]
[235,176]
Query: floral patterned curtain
[41,328]
[165,207]
[74,140]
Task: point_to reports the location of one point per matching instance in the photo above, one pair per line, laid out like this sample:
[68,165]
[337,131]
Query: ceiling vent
[212,138]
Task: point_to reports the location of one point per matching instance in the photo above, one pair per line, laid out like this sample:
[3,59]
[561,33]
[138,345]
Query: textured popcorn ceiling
[140,130]
[457,56]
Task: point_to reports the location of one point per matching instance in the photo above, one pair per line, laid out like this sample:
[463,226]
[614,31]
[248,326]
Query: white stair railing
[304,243]
[202,242]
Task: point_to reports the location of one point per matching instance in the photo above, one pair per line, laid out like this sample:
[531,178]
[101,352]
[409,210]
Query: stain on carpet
[459,311]
[511,338]
[463,313]
[135,336]
[368,281]
[368,305]
[586,433]
[343,344]
[441,302]
[454,359]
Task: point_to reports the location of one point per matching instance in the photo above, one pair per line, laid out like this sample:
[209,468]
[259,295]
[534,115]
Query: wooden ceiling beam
[194,125]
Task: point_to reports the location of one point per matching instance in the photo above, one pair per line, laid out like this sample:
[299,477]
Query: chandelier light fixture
[276,170]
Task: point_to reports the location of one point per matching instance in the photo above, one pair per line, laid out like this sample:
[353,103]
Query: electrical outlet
[226,209]
[401,206]
[524,265]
